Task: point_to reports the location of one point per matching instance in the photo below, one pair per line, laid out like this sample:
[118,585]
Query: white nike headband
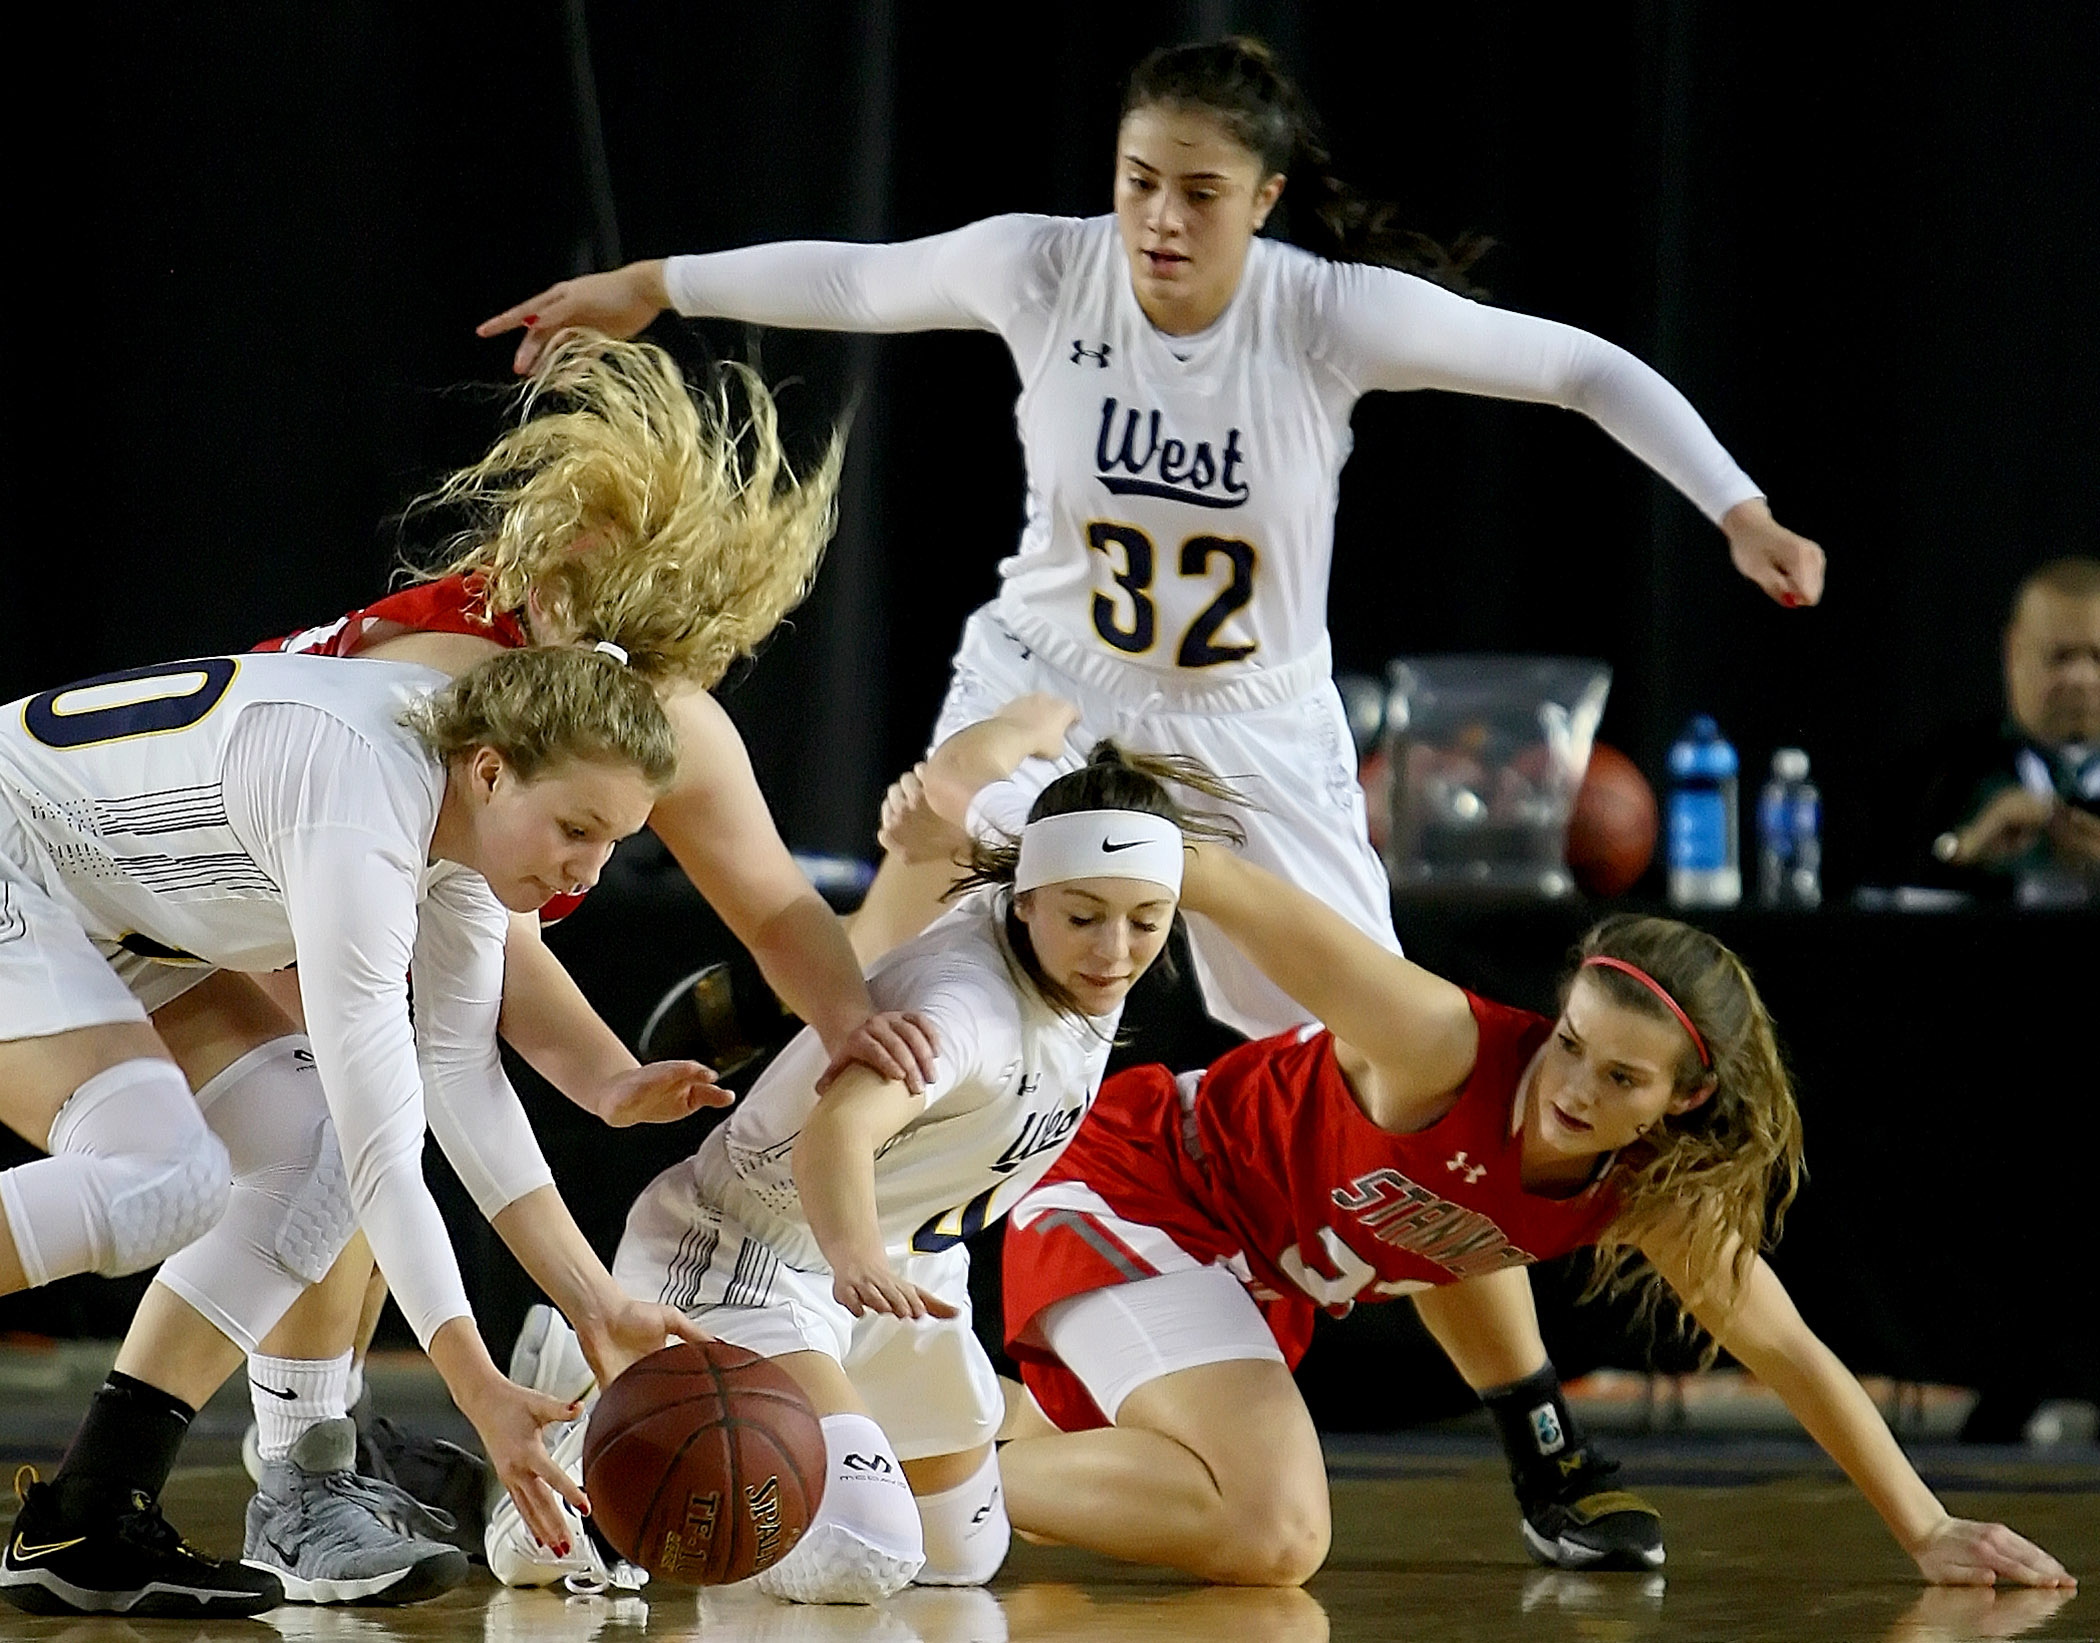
[1100,844]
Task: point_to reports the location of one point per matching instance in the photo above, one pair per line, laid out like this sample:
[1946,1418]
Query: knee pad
[866,1541]
[289,1214]
[133,1176]
[966,1528]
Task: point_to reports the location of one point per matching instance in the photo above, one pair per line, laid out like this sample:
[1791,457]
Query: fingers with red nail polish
[532,319]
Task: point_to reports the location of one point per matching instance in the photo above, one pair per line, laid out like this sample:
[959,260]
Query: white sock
[294,1395]
[967,1532]
[355,1388]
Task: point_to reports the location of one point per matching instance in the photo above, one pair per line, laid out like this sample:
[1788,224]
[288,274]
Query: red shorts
[1120,1204]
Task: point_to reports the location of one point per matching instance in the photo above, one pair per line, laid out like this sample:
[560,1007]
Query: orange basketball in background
[1611,835]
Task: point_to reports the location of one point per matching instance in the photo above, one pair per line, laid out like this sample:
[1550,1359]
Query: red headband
[1661,992]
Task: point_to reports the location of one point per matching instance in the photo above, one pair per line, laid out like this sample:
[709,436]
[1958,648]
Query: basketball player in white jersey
[828,1232]
[1186,389]
[248,813]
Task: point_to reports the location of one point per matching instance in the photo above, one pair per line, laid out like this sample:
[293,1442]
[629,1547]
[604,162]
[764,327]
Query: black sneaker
[450,1480]
[131,1563]
[1581,1523]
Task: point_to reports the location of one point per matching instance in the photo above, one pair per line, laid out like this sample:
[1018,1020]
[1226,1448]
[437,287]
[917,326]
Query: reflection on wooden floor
[1765,1544]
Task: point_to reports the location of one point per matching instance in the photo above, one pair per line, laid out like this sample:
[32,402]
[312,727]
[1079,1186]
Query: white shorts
[53,978]
[1117,1338]
[928,1384]
[1280,737]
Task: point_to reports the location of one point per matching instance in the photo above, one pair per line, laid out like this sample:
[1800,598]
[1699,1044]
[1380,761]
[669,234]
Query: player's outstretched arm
[1766,1334]
[619,303]
[549,1022]
[613,1327]
[716,825]
[1415,1027]
[834,1165]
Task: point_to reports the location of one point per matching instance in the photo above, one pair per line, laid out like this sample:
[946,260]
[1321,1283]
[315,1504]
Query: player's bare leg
[1215,1471]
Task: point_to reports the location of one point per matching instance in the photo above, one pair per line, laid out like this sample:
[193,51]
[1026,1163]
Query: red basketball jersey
[1268,1165]
[451,604]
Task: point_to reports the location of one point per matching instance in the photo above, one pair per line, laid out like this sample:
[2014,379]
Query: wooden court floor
[1765,1543]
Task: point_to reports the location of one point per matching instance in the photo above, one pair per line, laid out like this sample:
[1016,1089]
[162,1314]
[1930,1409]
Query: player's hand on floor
[658,1092]
[898,1046]
[1962,1614]
[629,1330]
[619,303]
[873,1286]
[1787,566]
[1965,1553]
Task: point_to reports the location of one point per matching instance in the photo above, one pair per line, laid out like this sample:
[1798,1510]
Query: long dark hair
[1237,81]
[1111,779]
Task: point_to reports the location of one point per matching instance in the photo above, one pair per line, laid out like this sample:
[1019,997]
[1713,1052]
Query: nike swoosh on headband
[1108,849]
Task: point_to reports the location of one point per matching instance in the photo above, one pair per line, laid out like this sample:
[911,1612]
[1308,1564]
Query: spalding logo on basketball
[705,1464]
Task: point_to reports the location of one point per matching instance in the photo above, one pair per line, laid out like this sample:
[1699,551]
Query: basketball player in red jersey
[618,510]
[1161,1280]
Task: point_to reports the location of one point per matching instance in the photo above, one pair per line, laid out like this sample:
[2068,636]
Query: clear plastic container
[1485,754]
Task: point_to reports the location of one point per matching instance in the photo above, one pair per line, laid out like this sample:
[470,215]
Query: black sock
[1540,1434]
[127,1444]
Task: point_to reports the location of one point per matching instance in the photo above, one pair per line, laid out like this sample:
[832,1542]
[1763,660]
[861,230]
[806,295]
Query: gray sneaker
[333,1537]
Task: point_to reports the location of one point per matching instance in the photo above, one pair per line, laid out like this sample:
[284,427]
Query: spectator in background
[2013,808]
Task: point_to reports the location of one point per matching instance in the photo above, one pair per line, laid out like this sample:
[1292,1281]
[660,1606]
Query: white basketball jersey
[1181,490]
[1014,1079]
[119,784]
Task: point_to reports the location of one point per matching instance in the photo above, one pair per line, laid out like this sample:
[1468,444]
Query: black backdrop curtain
[254,243]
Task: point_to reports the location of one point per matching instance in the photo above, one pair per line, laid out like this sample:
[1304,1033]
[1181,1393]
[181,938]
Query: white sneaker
[548,1358]
[517,1559]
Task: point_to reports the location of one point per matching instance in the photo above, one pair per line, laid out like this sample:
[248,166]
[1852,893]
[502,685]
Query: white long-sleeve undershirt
[1374,328]
[313,802]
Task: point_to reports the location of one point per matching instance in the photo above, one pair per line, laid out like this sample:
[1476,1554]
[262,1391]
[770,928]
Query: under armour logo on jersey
[1472,1172]
[868,1463]
[1080,351]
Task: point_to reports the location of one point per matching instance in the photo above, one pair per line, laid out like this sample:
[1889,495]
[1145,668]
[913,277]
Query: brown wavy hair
[1723,1173]
[669,523]
[1111,779]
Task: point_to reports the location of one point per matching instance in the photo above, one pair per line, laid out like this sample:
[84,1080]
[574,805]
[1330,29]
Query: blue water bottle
[1705,853]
